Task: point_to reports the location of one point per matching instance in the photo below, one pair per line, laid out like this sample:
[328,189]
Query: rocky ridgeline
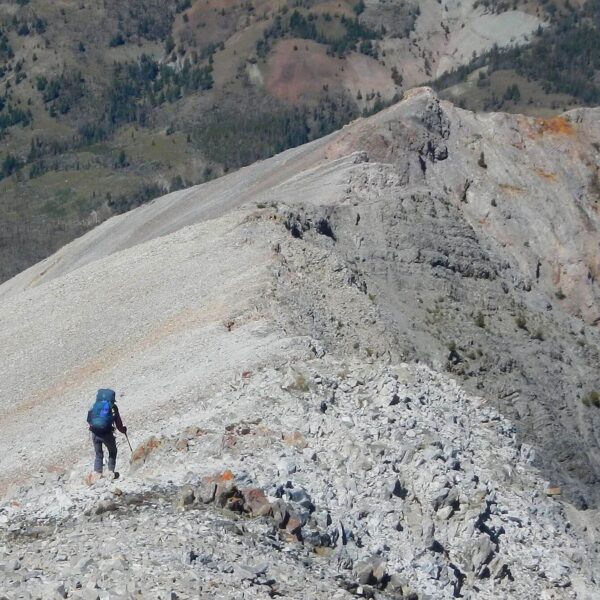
[318,480]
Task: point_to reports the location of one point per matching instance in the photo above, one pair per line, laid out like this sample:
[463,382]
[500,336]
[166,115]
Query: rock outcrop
[370,481]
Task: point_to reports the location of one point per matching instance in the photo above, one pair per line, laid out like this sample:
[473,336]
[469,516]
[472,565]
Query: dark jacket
[117,420]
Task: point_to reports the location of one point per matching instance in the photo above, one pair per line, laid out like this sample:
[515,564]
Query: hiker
[102,418]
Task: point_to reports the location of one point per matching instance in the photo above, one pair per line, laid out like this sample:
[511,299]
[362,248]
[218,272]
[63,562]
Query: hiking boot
[113,475]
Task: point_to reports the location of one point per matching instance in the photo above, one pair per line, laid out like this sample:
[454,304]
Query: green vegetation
[10,165]
[6,52]
[521,322]
[12,115]
[356,36]
[235,137]
[137,87]
[480,320]
[61,93]
[592,399]
[145,192]
[564,58]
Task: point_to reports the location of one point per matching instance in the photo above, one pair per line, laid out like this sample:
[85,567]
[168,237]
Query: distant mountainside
[105,105]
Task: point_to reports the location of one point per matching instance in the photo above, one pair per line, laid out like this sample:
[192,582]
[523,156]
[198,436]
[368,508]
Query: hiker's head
[106,394]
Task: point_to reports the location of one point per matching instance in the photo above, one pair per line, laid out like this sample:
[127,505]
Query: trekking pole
[127,438]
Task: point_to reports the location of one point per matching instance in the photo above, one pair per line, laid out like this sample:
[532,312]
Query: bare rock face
[263,332]
[477,236]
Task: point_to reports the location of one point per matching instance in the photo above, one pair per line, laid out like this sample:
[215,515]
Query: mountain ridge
[346,368]
[379,176]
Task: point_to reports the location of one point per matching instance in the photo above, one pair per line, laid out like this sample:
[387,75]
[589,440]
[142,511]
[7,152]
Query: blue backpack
[100,416]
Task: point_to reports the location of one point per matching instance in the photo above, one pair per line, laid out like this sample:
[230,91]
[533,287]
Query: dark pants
[108,440]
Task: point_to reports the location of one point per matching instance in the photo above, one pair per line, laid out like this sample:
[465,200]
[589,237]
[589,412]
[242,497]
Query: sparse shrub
[538,334]
[117,40]
[359,7]
[592,399]
[480,320]
[397,77]
[122,160]
[521,322]
[11,164]
[300,384]
[177,183]
[560,294]
[169,44]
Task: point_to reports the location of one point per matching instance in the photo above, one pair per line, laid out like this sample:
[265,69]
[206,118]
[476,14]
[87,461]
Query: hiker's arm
[118,422]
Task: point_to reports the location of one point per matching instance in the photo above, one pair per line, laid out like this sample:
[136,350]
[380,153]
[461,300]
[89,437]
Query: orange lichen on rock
[141,453]
[220,477]
[554,126]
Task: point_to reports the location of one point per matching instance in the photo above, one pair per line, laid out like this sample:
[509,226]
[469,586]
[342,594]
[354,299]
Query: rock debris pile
[334,480]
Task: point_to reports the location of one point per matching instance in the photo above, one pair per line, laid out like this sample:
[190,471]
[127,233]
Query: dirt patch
[511,189]
[546,175]
[299,69]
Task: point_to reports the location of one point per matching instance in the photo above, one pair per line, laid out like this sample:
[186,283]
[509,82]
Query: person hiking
[102,419]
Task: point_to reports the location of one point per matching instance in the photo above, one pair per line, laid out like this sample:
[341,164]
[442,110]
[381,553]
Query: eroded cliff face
[528,186]
[423,234]
[478,237]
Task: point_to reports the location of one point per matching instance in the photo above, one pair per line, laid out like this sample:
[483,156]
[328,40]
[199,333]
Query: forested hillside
[106,105]
[560,66]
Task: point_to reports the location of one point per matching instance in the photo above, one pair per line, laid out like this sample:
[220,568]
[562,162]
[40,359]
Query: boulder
[370,571]
[185,497]
[256,502]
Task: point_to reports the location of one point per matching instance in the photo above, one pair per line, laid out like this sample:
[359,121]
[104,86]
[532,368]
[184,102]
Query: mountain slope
[263,330]
[476,238]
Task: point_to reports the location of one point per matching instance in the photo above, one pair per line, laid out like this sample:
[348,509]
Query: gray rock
[90,594]
[205,492]
[83,565]
[186,496]
[286,467]
[105,506]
